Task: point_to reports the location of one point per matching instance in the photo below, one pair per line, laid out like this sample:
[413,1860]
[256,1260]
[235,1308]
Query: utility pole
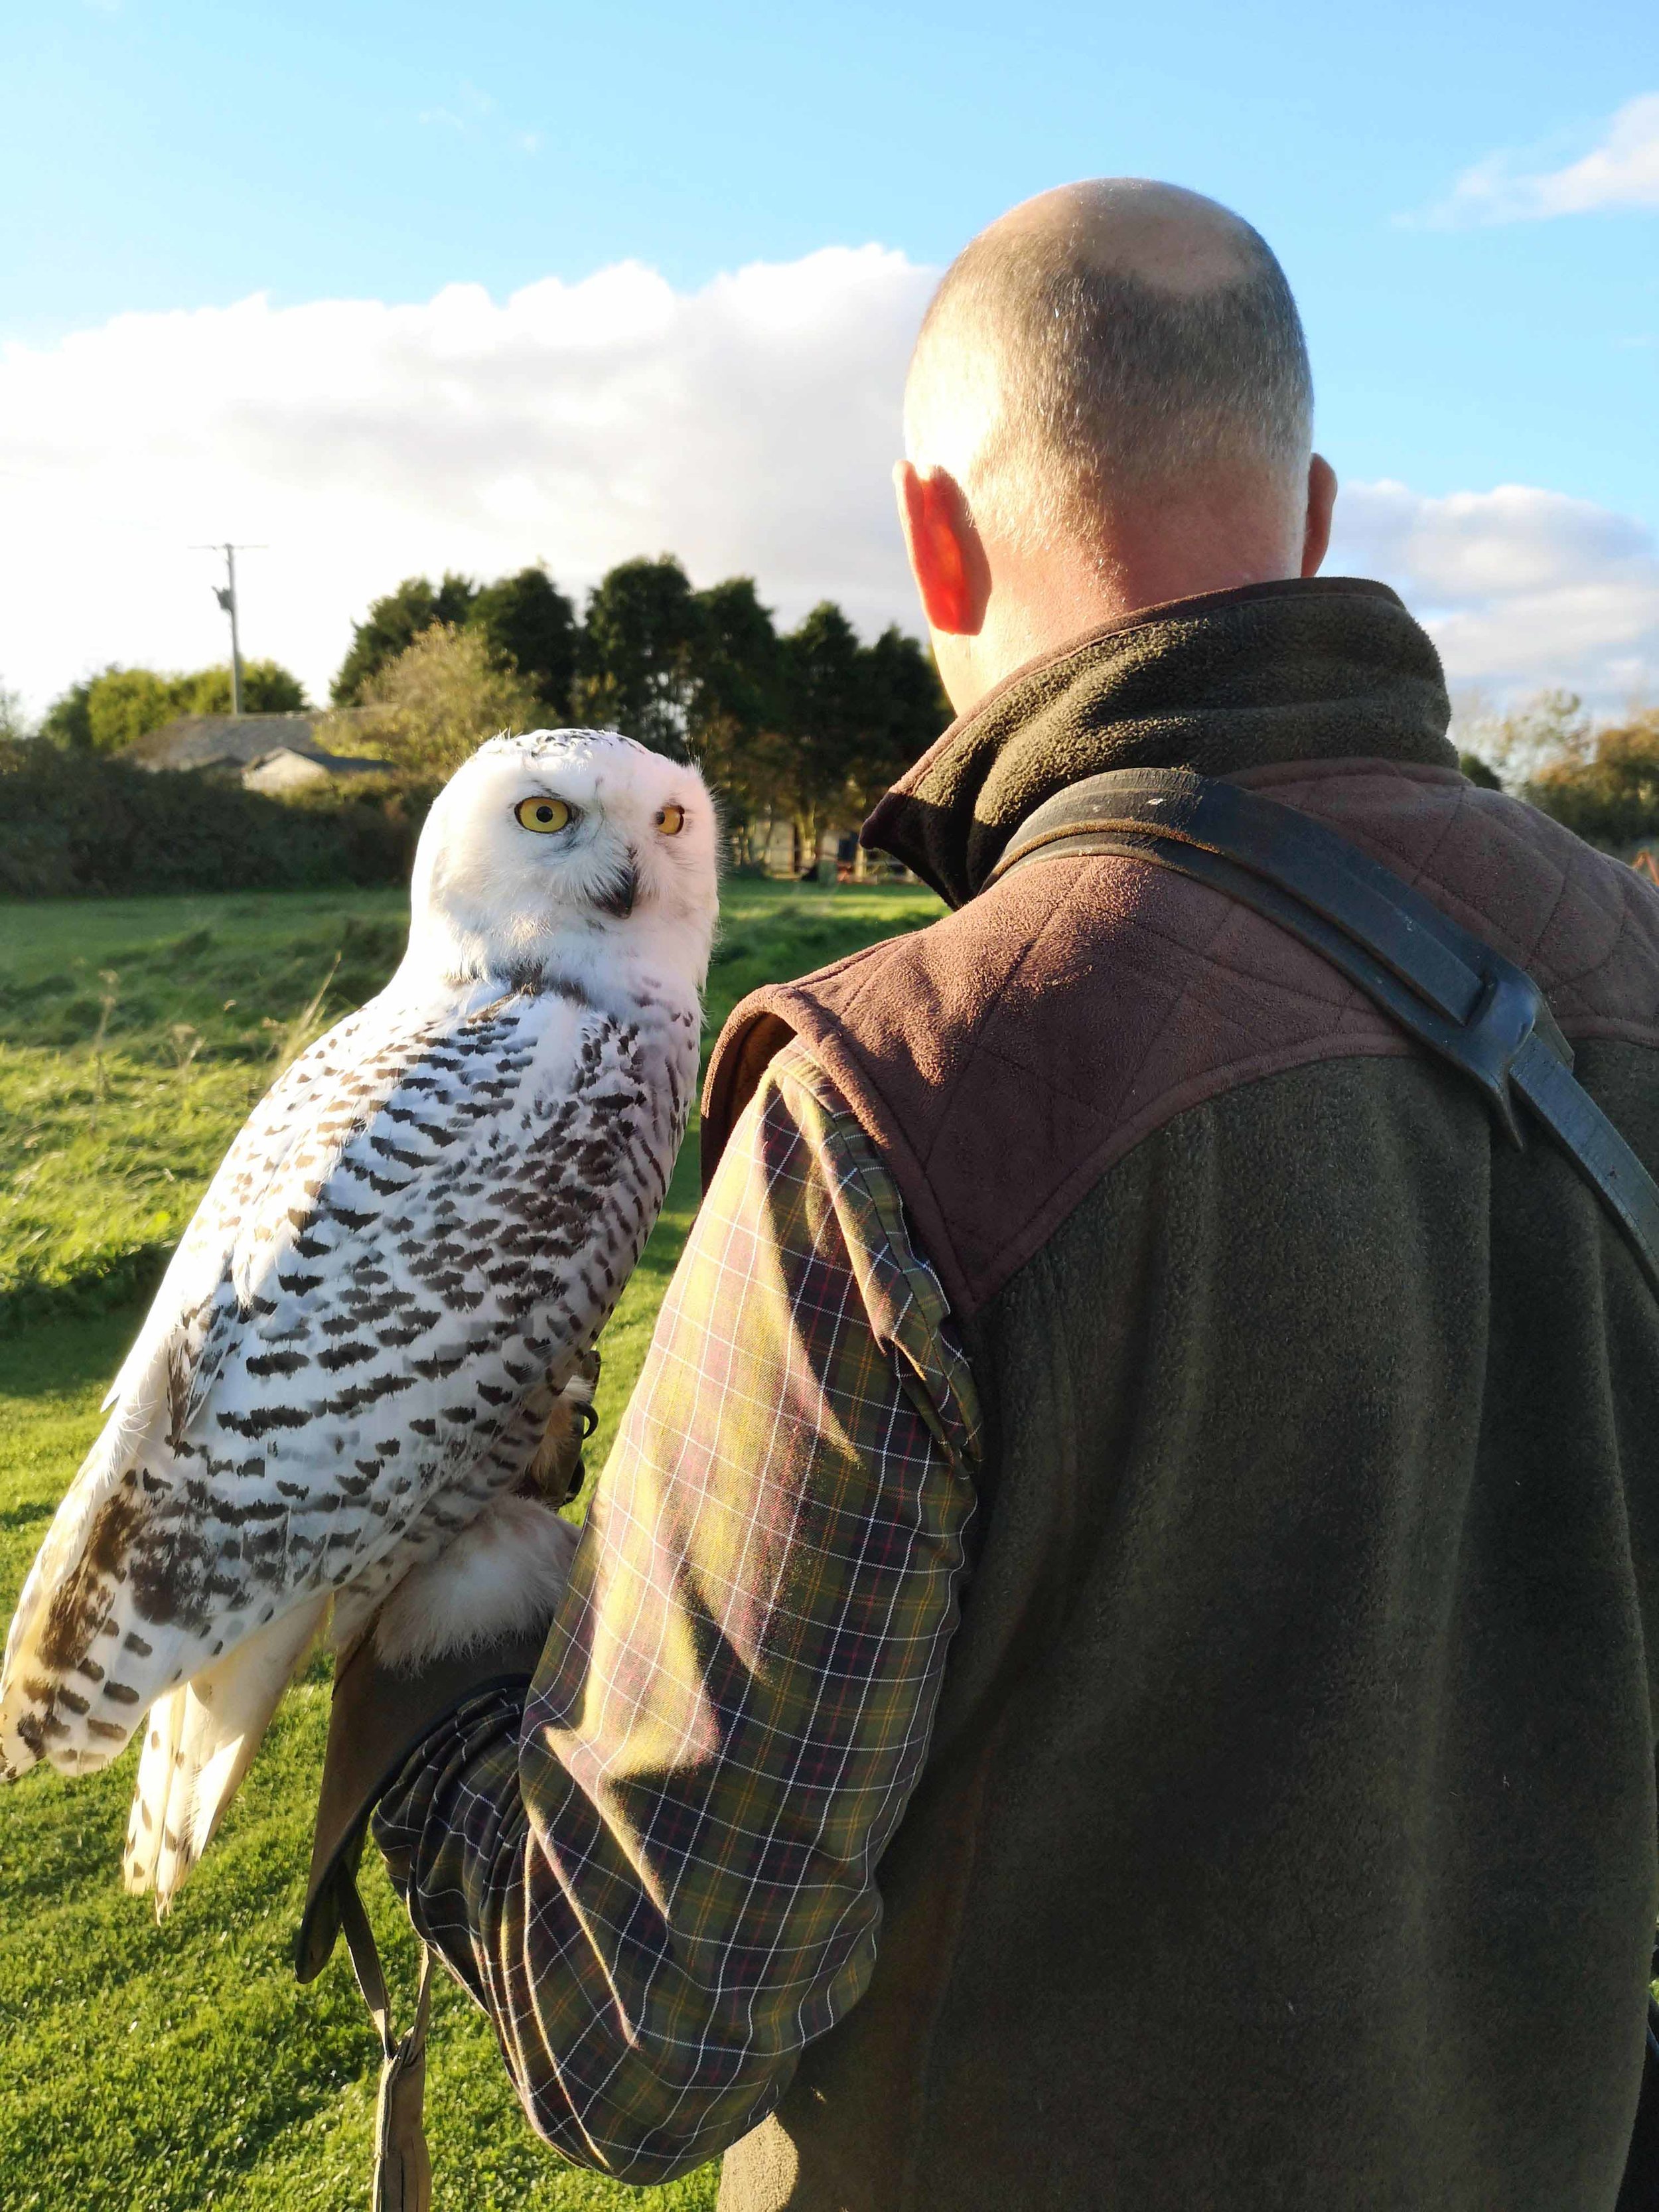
[226,595]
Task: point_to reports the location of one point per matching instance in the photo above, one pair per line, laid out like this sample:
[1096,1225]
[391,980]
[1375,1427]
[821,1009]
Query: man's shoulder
[907,1006]
[1583,924]
[1010,1053]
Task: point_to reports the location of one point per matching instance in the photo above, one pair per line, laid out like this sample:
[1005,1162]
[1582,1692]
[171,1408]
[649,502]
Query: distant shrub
[79,824]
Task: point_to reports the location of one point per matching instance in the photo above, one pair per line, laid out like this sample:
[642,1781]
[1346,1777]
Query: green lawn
[168,2068]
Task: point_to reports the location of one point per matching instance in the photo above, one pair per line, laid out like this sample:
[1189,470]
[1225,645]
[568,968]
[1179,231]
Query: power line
[226,595]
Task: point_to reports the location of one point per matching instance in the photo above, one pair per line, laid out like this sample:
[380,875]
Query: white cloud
[1519,588]
[748,426]
[1621,172]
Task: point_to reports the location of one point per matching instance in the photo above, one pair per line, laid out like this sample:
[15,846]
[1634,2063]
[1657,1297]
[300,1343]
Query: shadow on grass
[22,1516]
[68,1354]
[119,1281]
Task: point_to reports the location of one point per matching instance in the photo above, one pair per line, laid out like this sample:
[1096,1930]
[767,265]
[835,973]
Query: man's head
[1108,406]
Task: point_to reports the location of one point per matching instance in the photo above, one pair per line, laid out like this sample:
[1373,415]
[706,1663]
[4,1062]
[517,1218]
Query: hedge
[74,824]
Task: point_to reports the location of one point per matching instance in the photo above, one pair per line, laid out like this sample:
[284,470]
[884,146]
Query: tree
[736,664]
[736,704]
[529,625]
[13,723]
[825,721]
[108,712]
[906,708]
[1549,729]
[1613,797]
[267,688]
[638,662]
[392,624]
[439,700]
[125,704]
[1479,772]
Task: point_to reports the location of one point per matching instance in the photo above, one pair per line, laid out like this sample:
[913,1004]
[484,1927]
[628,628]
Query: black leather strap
[1448,988]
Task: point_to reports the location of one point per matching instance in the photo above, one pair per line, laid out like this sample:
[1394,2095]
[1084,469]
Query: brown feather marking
[76,1608]
[170,1564]
[177,1389]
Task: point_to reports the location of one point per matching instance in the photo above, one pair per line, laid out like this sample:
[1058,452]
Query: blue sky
[161,158]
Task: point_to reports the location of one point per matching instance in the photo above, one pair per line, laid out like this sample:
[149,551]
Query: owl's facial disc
[539,843]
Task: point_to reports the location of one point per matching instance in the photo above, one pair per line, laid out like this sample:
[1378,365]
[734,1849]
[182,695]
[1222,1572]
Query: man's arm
[658,1878]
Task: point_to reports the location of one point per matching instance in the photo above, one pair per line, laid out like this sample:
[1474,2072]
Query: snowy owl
[377,1329]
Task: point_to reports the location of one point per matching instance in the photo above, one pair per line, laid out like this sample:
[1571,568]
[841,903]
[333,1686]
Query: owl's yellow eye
[670,820]
[545,815]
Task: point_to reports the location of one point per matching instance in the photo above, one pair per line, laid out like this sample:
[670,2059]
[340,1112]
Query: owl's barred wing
[401,1304]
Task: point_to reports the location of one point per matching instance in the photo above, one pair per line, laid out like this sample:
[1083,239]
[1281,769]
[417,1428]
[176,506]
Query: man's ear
[1322,501]
[947,556]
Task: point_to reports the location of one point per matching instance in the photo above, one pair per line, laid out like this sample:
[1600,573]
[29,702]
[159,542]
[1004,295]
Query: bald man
[1112,1664]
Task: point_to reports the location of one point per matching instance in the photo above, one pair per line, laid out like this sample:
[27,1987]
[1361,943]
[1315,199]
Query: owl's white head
[568,850]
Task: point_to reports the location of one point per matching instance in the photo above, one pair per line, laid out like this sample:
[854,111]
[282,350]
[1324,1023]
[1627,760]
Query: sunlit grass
[164,2069]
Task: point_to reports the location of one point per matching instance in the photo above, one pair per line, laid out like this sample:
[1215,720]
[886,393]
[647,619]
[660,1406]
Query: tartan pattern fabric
[658,1878]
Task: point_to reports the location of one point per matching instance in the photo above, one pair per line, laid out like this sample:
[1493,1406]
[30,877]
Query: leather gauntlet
[380,1716]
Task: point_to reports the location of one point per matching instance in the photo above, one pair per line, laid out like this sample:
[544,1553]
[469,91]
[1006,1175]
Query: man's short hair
[1055,384]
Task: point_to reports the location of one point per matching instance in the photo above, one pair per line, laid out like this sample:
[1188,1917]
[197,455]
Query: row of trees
[523,621]
[806,725]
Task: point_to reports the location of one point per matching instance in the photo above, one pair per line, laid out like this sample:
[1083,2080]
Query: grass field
[161,2070]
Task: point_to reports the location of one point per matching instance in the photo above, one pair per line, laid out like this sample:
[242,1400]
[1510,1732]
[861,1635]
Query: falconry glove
[380,1717]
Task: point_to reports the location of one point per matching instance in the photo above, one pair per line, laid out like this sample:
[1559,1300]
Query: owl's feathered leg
[504,1573]
[507,1569]
[199,1742]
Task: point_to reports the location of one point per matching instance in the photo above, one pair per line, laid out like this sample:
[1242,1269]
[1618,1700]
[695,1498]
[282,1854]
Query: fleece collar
[1315,670]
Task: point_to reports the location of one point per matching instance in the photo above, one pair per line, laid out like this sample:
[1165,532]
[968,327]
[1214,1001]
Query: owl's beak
[623,890]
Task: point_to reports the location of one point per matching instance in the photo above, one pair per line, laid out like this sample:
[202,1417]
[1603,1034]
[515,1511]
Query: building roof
[239,740]
[287,768]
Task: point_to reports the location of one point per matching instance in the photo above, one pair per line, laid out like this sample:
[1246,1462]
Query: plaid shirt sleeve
[659,1877]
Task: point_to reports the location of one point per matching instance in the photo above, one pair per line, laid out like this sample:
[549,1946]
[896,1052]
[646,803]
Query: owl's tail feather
[199,1742]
